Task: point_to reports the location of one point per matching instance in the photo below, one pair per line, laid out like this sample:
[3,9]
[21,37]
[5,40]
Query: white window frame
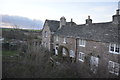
[56,50]
[64,51]
[82,42]
[56,38]
[112,64]
[73,53]
[64,40]
[81,56]
[114,46]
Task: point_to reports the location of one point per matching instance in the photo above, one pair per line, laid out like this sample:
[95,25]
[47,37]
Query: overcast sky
[100,11]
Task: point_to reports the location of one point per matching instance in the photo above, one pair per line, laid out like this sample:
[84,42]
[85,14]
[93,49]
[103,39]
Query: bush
[36,64]
[31,65]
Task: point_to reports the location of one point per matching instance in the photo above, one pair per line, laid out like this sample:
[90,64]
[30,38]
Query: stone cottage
[94,46]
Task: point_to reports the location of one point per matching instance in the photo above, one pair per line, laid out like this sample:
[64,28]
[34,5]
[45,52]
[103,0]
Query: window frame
[56,38]
[64,40]
[73,53]
[56,50]
[81,56]
[64,53]
[82,42]
[113,70]
[114,48]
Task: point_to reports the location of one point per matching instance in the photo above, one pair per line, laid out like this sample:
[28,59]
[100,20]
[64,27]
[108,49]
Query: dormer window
[82,42]
[114,48]
[45,34]
[64,40]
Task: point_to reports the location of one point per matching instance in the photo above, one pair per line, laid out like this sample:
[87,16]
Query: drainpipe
[76,50]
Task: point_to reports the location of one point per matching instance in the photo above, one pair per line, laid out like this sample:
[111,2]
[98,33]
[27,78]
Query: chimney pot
[116,17]
[117,12]
[88,17]
[88,21]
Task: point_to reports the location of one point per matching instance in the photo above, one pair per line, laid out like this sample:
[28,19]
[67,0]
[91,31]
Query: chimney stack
[88,21]
[62,21]
[117,12]
[116,17]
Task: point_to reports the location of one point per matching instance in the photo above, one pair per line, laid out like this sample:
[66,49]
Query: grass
[8,53]
[33,30]
[9,29]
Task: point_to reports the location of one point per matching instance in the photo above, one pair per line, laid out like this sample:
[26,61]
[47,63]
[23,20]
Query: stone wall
[70,43]
[99,50]
[46,40]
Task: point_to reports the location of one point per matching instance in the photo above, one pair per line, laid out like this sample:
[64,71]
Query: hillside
[20,22]
[20,34]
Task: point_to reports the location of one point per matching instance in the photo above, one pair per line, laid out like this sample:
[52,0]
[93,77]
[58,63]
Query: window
[64,51]
[82,42]
[45,44]
[64,40]
[117,48]
[94,63]
[81,56]
[56,38]
[113,67]
[72,54]
[114,48]
[46,34]
[56,50]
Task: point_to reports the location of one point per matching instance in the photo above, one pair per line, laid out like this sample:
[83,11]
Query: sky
[78,10]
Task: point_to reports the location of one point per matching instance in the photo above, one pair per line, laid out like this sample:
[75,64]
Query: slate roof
[53,25]
[106,32]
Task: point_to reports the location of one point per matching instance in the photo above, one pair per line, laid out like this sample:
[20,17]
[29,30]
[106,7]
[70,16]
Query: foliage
[60,50]
[36,64]
[28,66]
